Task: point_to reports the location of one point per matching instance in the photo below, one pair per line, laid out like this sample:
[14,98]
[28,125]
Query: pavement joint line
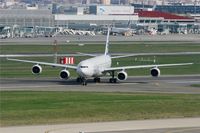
[182,130]
[185,82]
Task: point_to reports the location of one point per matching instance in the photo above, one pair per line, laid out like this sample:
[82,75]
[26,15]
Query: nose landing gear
[82,80]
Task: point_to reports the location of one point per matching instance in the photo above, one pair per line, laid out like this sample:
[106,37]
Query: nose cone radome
[84,70]
[87,72]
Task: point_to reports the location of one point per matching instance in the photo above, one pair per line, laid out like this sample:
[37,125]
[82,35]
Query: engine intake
[64,74]
[122,75]
[155,72]
[36,69]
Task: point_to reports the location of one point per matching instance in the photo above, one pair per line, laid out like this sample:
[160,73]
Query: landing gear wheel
[113,80]
[97,80]
[79,79]
[84,82]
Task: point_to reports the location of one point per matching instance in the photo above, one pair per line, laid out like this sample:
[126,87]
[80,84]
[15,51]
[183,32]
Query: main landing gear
[97,80]
[113,80]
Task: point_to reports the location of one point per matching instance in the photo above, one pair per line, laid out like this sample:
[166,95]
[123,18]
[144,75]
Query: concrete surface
[191,124]
[147,84]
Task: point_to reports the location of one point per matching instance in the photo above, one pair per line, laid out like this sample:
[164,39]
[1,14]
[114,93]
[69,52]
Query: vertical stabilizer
[107,42]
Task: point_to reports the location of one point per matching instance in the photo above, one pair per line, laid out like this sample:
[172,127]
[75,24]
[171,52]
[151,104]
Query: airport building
[162,21]
[177,9]
[99,15]
[26,18]
[100,20]
[93,18]
[72,17]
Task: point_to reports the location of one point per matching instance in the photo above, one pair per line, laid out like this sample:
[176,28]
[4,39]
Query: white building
[63,20]
[99,15]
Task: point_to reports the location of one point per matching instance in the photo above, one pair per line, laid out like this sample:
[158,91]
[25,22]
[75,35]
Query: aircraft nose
[84,72]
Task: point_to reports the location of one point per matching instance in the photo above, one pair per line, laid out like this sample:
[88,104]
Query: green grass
[93,48]
[31,108]
[195,85]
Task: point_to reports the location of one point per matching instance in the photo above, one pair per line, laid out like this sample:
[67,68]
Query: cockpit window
[84,66]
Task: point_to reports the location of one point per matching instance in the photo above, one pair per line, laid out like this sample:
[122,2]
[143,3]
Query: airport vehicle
[97,66]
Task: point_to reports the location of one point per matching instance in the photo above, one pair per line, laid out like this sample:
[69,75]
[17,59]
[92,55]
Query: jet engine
[122,75]
[64,74]
[36,69]
[155,72]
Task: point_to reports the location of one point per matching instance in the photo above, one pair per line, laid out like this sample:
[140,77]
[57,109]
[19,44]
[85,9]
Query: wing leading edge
[144,66]
[44,63]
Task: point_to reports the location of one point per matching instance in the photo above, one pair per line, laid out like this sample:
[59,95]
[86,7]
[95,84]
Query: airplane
[122,31]
[97,66]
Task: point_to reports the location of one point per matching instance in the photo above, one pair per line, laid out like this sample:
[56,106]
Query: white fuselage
[94,67]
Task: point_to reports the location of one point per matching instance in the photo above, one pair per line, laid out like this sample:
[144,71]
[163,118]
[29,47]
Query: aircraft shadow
[68,82]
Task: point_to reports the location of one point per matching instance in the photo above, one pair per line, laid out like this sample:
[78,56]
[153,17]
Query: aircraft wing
[143,66]
[143,54]
[44,63]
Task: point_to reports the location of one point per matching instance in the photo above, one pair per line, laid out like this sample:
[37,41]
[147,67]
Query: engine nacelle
[36,69]
[64,74]
[122,75]
[155,72]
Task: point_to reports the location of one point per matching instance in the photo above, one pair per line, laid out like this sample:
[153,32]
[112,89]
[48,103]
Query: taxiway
[147,84]
[175,38]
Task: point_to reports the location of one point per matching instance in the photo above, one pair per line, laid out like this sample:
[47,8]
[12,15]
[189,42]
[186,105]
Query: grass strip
[98,48]
[31,108]
[195,85]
